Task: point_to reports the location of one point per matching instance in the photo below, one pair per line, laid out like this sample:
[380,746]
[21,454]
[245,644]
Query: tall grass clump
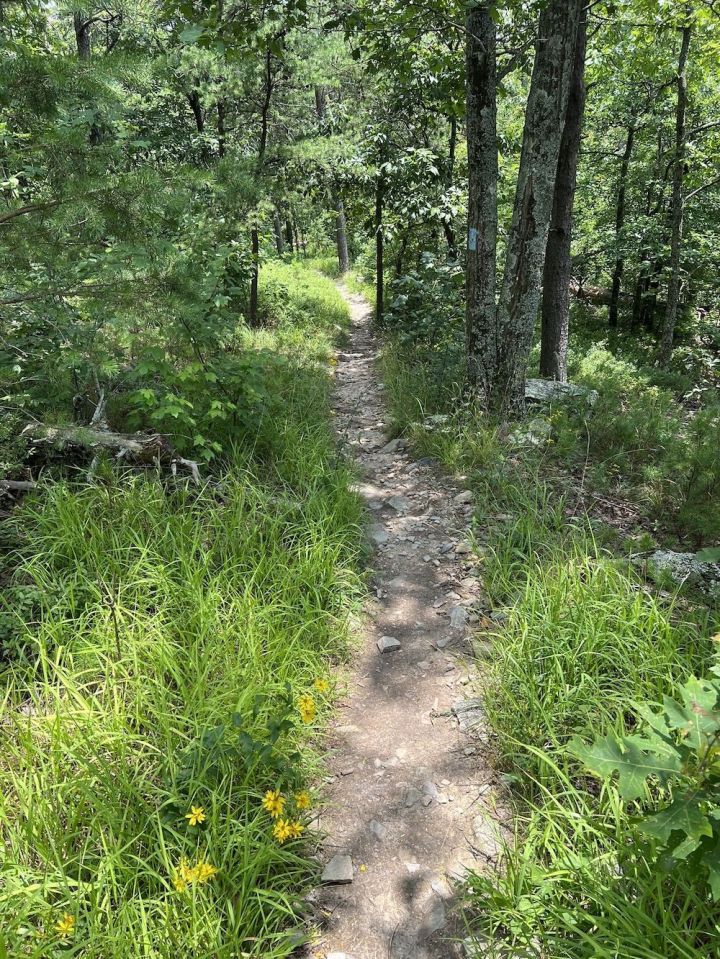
[170,661]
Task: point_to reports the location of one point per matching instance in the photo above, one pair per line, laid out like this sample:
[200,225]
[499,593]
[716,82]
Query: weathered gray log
[138,447]
[16,486]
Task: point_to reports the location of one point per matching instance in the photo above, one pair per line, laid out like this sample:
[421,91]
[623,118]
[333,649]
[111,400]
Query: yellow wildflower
[282,831]
[322,685]
[306,708]
[302,800]
[273,801]
[204,872]
[295,829]
[195,816]
[66,926]
[179,884]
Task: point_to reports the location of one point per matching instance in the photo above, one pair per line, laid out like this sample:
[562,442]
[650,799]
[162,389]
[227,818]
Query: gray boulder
[549,391]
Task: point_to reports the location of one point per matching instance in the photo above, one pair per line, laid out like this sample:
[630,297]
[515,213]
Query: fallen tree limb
[138,447]
[16,486]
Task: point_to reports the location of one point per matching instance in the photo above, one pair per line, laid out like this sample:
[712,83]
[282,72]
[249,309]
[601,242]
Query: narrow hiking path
[413,802]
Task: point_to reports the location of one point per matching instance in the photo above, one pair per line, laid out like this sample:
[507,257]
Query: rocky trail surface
[412,802]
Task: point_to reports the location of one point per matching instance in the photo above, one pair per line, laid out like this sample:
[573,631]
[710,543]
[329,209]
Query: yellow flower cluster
[307,708]
[285,829]
[322,685]
[273,802]
[66,926]
[186,875]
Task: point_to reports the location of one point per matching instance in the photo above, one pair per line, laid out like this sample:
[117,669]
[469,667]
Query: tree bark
[558,257]
[481,86]
[193,99]
[259,165]
[221,127]
[678,201]
[619,225]
[528,235]
[279,238]
[289,235]
[341,236]
[448,227]
[82,25]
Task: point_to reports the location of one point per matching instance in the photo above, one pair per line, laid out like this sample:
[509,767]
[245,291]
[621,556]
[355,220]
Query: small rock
[378,830]
[379,535]
[463,549]
[394,446]
[469,713]
[339,871]
[435,918]
[413,867]
[463,498]
[412,797]
[458,617]
[442,888]
[430,789]
[399,503]
[388,644]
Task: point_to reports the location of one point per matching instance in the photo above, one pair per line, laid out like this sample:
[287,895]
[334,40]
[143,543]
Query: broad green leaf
[634,759]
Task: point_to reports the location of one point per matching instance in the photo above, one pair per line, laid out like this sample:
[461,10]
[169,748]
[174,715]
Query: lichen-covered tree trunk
[558,258]
[341,237]
[678,201]
[527,238]
[82,24]
[619,226]
[480,331]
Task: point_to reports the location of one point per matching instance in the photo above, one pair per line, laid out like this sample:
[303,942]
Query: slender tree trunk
[448,226]
[82,26]
[527,239]
[259,165]
[255,276]
[279,239]
[320,102]
[341,236]
[558,258]
[221,127]
[379,244]
[481,79]
[296,235]
[193,99]
[678,201]
[289,234]
[619,225]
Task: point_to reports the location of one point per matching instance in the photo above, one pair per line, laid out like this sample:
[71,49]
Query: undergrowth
[583,641]
[171,656]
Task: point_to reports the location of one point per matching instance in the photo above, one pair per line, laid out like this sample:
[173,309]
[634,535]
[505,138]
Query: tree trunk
[341,235]
[379,244]
[254,276]
[259,166]
[221,127]
[481,78]
[619,224]
[448,226]
[678,201]
[82,26]
[528,235]
[558,258]
[289,235]
[196,106]
[279,238]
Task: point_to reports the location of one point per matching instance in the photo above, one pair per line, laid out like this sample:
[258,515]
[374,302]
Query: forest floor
[413,801]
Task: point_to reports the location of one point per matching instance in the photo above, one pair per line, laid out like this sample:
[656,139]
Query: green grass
[157,664]
[583,640]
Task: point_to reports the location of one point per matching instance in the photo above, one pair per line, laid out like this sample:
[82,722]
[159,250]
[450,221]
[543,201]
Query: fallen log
[142,449]
[138,447]
[16,486]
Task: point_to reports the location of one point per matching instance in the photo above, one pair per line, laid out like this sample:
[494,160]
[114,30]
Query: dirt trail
[413,801]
